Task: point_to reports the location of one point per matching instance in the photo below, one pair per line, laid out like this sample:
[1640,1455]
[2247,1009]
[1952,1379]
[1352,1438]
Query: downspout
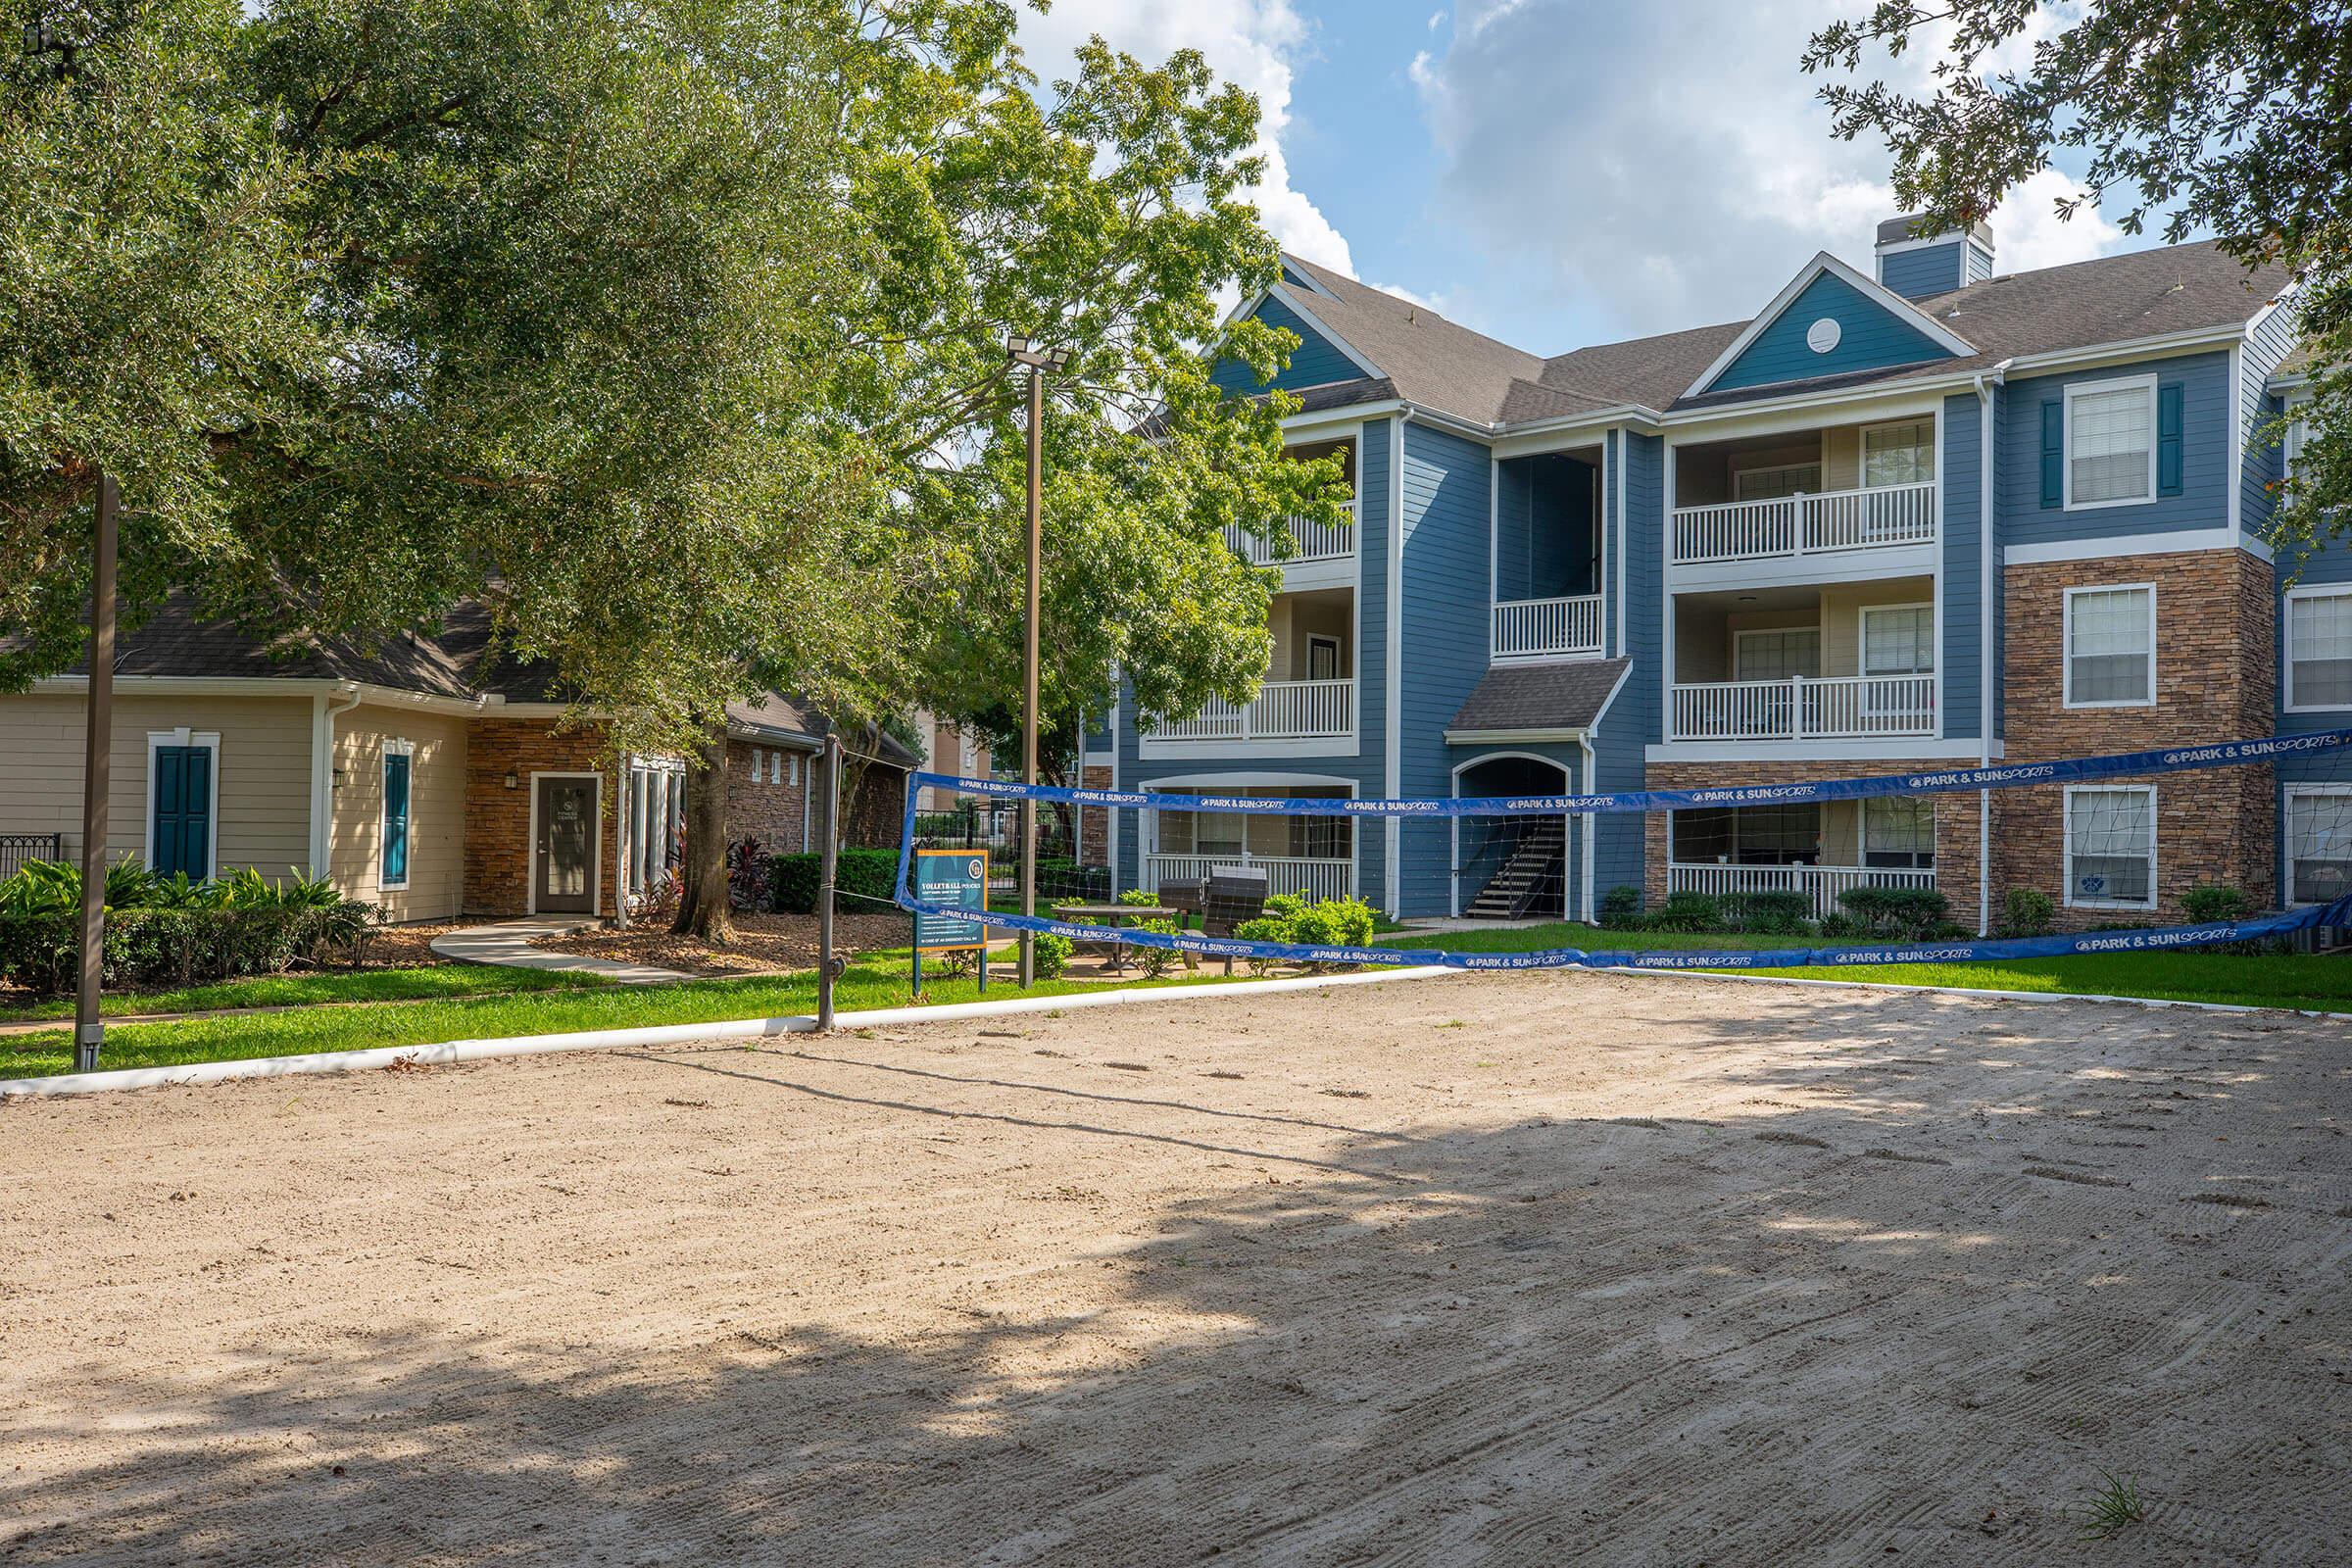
[1584,743]
[1392,699]
[1986,694]
[325,708]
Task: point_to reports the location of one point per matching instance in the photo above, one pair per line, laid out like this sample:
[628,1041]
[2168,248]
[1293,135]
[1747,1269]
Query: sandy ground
[1499,1269]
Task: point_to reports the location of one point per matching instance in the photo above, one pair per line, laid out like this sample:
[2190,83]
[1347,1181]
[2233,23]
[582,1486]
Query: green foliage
[1688,912]
[2210,116]
[1138,897]
[1329,923]
[1156,961]
[2028,913]
[1895,914]
[1052,954]
[1782,913]
[1620,907]
[2209,902]
[864,881]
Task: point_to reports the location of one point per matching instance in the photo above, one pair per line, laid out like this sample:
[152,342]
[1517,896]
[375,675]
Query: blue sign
[946,880]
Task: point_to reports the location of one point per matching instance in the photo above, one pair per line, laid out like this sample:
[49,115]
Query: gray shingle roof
[1525,697]
[2115,298]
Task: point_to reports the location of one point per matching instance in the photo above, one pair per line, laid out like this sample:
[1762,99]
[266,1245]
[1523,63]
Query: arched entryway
[1512,868]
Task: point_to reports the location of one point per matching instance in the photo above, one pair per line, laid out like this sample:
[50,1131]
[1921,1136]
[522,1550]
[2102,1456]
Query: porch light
[342,776]
[512,783]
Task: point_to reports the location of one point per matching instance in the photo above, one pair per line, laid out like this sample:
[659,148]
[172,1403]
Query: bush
[171,931]
[1686,912]
[2208,901]
[1291,919]
[1620,907]
[750,873]
[1896,914]
[1779,913]
[863,881]
[2028,913]
[1156,961]
[1052,954]
[1139,898]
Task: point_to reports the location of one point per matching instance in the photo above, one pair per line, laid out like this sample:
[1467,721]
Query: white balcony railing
[1285,711]
[1309,540]
[1820,883]
[1529,628]
[1317,879]
[1841,707]
[1802,525]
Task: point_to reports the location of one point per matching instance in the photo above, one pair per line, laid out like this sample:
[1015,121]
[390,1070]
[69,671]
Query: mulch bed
[763,943]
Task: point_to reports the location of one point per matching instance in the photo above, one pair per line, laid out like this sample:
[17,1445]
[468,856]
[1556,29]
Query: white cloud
[1251,42]
[1670,162]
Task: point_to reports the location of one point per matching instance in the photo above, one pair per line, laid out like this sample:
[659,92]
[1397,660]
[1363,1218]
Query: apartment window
[2318,647]
[2111,442]
[2111,846]
[1772,484]
[2318,843]
[1899,639]
[1898,454]
[1750,835]
[1776,654]
[399,756]
[1898,831]
[2111,647]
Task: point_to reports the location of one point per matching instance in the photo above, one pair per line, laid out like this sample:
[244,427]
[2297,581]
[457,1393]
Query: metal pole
[828,856]
[1037,422]
[88,1032]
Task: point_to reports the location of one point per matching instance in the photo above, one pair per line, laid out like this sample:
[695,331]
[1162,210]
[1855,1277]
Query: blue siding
[1979,264]
[1314,363]
[1962,569]
[2206,438]
[1870,338]
[1445,639]
[1929,269]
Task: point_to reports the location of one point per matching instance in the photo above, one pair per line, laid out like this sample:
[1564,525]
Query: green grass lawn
[545,1011]
[309,989]
[2322,982]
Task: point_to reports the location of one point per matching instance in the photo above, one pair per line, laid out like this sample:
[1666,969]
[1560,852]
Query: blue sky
[1554,173]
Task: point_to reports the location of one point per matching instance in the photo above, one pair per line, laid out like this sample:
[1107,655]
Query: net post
[828,861]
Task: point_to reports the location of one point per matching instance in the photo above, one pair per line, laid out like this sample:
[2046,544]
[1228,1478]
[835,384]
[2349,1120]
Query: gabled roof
[1824,264]
[1513,699]
[1427,359]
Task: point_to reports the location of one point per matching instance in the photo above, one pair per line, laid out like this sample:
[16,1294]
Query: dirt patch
[765,943]
[940,1295]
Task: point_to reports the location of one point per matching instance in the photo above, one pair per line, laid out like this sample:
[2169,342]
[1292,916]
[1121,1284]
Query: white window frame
[1323,639]
[1862,449]
[1820,474]
[2066,847]
[2286,859]
[2066,454]
[2286,641]
[1862,641]
[2066,670]
[1746,632]
[394,745]
[210,740]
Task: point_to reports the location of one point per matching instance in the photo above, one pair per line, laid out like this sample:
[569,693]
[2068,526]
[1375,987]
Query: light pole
[1024,351]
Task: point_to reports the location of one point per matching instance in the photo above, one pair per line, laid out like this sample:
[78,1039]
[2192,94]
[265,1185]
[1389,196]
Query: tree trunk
[703,907]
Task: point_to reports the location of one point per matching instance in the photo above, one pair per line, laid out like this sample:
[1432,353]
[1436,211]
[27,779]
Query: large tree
[2222,116]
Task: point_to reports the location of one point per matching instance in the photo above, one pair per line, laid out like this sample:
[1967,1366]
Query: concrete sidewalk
[508,943]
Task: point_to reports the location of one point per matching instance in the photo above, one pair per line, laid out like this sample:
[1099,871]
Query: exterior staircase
[1533,875]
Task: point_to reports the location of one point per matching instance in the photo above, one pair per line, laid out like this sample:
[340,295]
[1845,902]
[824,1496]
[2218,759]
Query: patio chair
[1231,897]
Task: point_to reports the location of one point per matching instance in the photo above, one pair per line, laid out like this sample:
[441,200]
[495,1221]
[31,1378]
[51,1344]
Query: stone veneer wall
[2216,675]
[1093,821]
[778,815]
[1956,817]
[498,819]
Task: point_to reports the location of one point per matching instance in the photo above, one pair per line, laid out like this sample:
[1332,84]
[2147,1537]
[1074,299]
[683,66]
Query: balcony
[1548,628]
[1285,711]
[1310,542]
[1825,523]
[1820,883]
[1317,879]
[1841,707]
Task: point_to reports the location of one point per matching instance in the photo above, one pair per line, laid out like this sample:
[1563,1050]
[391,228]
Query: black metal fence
[18,848]
[996,826]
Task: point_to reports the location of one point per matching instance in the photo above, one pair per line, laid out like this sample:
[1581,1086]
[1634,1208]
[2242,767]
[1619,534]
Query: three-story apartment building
[1933,517]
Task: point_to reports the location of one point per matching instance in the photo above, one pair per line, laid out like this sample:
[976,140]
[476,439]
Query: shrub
[1688,912]
[1898,914]
[2028,913]
[1052,954]
[1780,912]
[1156,961]
[170,931]
[1838,926]
[750,873]
[1620,907]
[863,881]
[1138,897]
[2210,902]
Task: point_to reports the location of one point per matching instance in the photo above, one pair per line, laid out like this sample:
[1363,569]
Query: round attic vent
[1823,335]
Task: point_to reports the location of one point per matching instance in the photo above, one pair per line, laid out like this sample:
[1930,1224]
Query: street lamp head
[1017,345]
[1057,358]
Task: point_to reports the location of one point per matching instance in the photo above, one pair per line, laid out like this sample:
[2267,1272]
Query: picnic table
[1114,916]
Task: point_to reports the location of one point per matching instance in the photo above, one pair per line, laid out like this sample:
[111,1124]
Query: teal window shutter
[2168,439]
[2053,453]
[396,819]
[182,832]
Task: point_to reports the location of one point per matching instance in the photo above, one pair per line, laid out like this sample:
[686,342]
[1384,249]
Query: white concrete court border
[449,1052]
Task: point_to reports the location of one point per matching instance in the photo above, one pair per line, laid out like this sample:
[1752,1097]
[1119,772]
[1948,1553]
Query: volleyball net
[2243,841]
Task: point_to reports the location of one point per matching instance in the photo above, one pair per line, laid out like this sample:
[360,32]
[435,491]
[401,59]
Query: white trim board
[207,740]
[1822,751]
[2177,541]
